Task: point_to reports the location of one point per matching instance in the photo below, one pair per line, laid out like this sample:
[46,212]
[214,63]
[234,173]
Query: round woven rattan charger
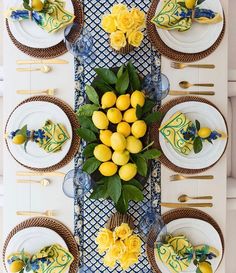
[154,134]
[54,225]
[178,214]
[169,52]
[75,143]
[56,50]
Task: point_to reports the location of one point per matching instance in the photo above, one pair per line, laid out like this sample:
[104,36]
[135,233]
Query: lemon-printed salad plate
[185,157]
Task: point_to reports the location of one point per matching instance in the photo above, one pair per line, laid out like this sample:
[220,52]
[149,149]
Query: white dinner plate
[198,232]
[30,34]
[197,39]
[32,240]
[34,114]
[208,116]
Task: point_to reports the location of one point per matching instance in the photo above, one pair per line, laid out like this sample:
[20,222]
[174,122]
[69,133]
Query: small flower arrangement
[120,245]
[125,27]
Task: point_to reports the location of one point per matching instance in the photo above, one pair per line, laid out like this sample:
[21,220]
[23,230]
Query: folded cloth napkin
[56,136]
[176,253]
[175,15]
[52,18]
[172,132]
[50,259]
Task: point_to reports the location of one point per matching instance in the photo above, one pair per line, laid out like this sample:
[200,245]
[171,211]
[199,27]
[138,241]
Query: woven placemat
[169,52]
[75,143]
[178,214]
[54,225]
[154,134]
[54,51]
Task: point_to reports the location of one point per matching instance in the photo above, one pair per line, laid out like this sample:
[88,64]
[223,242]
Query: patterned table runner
[91,215]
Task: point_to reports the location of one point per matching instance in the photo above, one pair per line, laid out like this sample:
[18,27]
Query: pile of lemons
[117,145]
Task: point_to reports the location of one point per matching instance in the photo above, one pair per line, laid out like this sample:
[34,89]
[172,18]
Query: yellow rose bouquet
[124,27]
[120,246]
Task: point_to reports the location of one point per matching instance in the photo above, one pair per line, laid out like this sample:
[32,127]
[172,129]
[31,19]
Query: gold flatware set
[188,205]
[176,177]
[184,93]
[42,61]
[50,92]
[182,65]
[47,213]
[43,182]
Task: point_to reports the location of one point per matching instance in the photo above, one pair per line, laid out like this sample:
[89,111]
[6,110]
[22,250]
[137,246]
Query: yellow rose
[118,40]
[135,38]
[117,9]
[109,23]
[109,261]
[133,244]
[104,239]
[125,21]
[139,18]
[128,260]
[117,250]
[123,231]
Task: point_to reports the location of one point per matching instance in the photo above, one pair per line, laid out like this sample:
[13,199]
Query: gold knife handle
[188,205]
[27,69]
[200,177]
[30,213]
[204,84]
[206,93]
[209,197]
[210,66]
[26,181]
[40,174]
[48,61]
[30,91]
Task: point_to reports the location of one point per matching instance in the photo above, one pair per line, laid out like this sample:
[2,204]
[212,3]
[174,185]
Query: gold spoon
[184,198]
[43,182]
[43,69]
[185,84]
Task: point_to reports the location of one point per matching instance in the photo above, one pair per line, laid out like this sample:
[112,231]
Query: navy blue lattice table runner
[91,215]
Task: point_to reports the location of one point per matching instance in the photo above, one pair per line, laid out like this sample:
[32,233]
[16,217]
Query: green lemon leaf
[101,85]
[120,71]
[151,154]
[134,77]
[132,193]
[88,151]
[122,204]
[148,105]
[141,164]
[199,2]
[86,122]
[107,75]
[86,134]
[23,131]
[92,94]
[123,83]
[197,145]
[114,188]
[87,110]
[27,6]
[91,165]
[99,192]
[198,126]
[153,117]
[139,111]
[135,183]
[198,270]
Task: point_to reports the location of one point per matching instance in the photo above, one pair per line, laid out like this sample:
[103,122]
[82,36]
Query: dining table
[30,197]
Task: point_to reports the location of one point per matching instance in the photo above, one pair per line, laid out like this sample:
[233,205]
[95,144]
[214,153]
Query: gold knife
[40,174]
[203,93]
[46,61]
[188,205]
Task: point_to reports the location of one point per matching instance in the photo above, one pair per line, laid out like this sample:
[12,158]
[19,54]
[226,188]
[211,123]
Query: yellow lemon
[102,153]
[105,137]
[205,267]
[130,115]
[37,5]
[139,128]
[133,145]
[114,115]
[128,171]
[123,102]
[18,139]
[108,99]
[190,4]
[100,120]
[120,158]
[137,97]
[204,132]
[118,142]
[123,128]
[16,266]
[108,168]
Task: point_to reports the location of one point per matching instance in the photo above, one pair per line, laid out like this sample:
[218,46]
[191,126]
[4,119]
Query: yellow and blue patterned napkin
[52,18]
[175,15]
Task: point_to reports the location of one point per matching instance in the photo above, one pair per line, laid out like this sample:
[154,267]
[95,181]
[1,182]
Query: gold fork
[176,177]
[182,65]
[48,213]
[49,92]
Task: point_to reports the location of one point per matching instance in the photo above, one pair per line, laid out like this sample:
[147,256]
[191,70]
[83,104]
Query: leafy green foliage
[198,126]
[114,188]
[199,2]
[92,94]
[87,110]
[148,105]
[26,5]
[86,122]
[141,163]
[123,83]
[139,111]
[135,183]
[107,75]
[153,117]
[151,154]
[88,151]
[101,85]
[134,77]
[91,165]
[197,145]
[120,71]
[86,134]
